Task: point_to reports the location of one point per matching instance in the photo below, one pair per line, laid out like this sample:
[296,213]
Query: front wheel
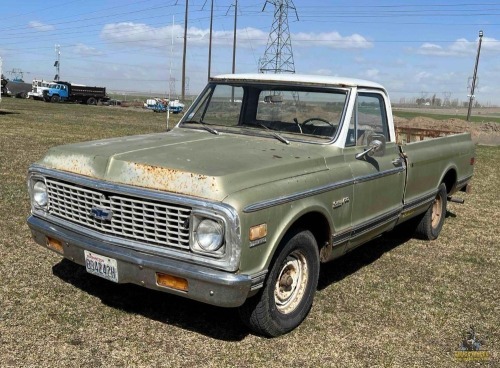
[288,292]
[432,222]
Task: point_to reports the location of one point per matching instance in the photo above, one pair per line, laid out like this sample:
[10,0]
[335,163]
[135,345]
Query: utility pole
[184,53]
[234,35]
[234,42]
[474,77]
[210,37]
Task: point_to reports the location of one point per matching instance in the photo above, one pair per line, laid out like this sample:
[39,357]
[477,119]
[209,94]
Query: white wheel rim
[437,212]
[291,283]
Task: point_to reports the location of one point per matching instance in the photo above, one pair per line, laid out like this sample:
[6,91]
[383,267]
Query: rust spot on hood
[78,164]
[171,180]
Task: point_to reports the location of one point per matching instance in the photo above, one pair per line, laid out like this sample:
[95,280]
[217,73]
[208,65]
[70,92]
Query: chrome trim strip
[365,227]
[419,202]
[342,237]
[362,179]
[296,196]
[319,190]
[258,280]
[376,222]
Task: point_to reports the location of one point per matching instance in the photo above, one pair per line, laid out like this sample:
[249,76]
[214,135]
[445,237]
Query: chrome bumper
[206,285]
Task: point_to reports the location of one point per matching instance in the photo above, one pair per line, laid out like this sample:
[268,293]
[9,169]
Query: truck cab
[38,86]
[55,92]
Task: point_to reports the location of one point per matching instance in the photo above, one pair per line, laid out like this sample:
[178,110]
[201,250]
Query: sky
[416,49]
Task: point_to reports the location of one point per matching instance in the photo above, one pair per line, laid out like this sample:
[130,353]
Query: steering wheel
[318,119]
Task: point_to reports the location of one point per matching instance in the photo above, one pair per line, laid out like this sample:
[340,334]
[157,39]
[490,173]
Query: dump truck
[265,178]
[65,91]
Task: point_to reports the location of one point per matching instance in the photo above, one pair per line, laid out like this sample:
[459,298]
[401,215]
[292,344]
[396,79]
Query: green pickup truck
[265,178]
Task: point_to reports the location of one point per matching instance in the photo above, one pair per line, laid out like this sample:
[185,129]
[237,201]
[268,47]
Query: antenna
[57,63]
[278,57]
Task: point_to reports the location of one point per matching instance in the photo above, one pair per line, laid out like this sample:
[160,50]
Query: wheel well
[317,224]
[450,179]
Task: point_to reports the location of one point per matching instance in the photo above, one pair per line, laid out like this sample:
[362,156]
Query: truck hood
[187,161]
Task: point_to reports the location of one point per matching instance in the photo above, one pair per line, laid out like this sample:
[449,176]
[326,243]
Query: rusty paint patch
[77,164]
[170,180]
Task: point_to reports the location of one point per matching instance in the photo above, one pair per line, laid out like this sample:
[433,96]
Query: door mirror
[377,141]
[375,147]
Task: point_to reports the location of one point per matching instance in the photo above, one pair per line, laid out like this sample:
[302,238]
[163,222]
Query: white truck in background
[37,88]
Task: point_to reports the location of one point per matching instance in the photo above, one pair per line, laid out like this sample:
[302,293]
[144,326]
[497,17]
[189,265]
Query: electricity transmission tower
[278,57]
[447,96]
[18,74]
[172,91]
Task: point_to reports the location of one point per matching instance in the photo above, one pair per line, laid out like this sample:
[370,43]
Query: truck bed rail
[409,134]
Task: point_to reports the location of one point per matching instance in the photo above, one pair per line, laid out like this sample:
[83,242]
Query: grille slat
[139,219]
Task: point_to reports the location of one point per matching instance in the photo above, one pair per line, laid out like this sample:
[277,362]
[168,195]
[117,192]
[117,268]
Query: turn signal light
[172,282]
[258,232]
[55,244]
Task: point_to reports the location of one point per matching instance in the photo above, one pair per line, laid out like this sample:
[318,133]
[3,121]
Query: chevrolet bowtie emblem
[100,213]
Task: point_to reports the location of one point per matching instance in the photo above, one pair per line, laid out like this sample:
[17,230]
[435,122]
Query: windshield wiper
[275,135]
[205,126]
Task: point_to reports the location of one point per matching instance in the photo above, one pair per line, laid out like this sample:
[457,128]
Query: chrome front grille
[139,219]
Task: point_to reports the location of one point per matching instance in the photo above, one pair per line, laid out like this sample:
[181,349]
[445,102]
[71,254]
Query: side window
[371,117]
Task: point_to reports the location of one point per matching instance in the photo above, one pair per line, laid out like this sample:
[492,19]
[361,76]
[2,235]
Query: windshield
[300,113]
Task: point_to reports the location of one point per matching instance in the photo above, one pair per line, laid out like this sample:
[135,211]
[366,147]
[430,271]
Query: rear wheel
[288,292]
[91,101]
[432,222]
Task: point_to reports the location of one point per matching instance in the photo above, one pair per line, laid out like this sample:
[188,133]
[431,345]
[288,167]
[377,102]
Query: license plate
[101,266]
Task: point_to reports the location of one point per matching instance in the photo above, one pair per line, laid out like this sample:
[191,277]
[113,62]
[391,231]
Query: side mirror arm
[375,145]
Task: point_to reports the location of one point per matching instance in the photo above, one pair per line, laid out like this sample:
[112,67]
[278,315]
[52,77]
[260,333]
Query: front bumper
[207,285]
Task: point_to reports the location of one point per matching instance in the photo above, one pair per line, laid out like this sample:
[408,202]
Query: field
[395,301]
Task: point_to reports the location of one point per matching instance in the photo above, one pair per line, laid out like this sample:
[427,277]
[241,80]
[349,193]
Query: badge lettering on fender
[341,202]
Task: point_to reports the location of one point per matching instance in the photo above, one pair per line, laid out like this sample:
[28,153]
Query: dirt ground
[486,133]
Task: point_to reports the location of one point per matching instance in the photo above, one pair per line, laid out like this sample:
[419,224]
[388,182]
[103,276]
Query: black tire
[288,293]
[55,98]
[91,101]
[432,222]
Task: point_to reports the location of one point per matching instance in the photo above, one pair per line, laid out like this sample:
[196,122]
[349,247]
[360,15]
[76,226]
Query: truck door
[379,178]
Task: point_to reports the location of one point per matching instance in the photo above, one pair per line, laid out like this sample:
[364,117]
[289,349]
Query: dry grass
[393,302]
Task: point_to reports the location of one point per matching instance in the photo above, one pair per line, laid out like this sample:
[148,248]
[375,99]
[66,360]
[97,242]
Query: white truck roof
[298,79]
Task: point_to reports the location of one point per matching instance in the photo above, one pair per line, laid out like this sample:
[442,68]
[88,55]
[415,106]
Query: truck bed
[87,91]
[435,160]
[410,134]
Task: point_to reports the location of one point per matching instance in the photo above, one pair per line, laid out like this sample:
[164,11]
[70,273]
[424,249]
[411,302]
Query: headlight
[40,196]
[209,235]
